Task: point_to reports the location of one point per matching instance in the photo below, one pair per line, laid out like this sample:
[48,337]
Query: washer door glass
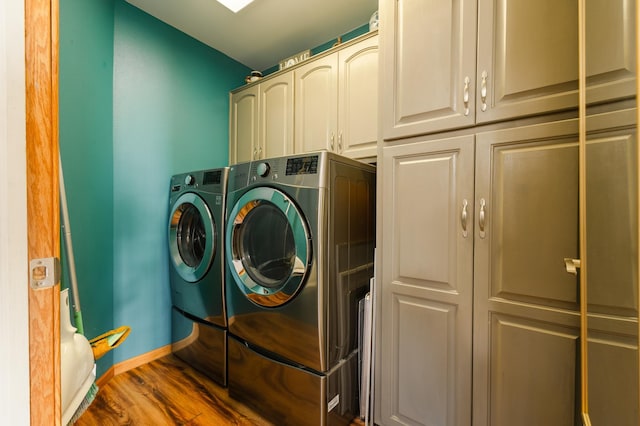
[191,237]
[268,246]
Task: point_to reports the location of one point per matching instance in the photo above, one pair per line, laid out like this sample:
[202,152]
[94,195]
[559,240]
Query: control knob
[263,169]
[189,180]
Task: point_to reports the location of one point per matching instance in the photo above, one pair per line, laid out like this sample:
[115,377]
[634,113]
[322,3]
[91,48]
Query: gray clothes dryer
[195,235]
[299,251]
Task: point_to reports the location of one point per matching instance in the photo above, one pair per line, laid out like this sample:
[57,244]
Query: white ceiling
[266,31]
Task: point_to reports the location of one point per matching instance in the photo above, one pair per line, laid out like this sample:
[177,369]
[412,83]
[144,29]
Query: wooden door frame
[43,218]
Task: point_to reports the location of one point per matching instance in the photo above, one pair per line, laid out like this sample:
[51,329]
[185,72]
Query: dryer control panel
[302,165]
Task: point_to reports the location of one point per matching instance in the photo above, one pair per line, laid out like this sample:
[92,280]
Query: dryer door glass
[191,237]
[268,246]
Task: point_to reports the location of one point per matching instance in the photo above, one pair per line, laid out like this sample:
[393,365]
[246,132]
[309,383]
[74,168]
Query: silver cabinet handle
[483,90]
[340,143]
[465,95]
[332,140]
[482,218]
[259,152]
[463,218]
[255,153]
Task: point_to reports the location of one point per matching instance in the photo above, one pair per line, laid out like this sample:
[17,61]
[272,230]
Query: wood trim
[582,190]
[43,228]
[132,363]
[637,17]
[141,359]
[104,379]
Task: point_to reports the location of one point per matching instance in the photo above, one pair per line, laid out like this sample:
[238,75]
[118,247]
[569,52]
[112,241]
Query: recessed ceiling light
[234,5]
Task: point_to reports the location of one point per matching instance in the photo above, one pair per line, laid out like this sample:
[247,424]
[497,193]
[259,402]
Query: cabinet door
[358,99]
[528,55]
[426,273]
[276,116]
[526,312]
[316,100]
[611,50]
[243,125]
[428,52]
[612,268]
[526,307]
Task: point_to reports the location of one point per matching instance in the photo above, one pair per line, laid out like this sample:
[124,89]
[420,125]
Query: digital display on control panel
[212,177]
[302,165]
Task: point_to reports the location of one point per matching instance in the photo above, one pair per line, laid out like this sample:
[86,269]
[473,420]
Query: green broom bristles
[86,402]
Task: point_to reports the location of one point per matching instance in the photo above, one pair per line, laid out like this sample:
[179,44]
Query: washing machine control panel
[263,169]
[189,180]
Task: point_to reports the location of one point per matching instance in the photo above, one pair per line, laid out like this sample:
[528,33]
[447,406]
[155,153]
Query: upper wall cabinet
[276,117]
[329,102]
[527,61]
[261,120]
[336,102]
[243,125]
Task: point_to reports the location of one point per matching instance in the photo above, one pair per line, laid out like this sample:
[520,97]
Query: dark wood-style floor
[167,391]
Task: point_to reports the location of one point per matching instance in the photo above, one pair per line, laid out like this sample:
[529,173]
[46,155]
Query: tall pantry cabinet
[478,169]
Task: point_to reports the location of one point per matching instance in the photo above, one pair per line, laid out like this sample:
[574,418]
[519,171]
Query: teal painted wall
[139,101]
[171,115]
[86,136]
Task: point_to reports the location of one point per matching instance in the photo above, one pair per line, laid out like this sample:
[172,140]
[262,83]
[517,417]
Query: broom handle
[68,246]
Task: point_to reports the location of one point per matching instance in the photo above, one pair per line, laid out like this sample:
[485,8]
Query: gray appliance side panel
[350,252]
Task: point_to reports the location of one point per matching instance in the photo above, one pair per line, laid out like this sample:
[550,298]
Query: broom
[105,342]
[77,315]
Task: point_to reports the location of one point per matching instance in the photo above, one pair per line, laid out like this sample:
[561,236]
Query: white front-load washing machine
[195,234]
[299,250]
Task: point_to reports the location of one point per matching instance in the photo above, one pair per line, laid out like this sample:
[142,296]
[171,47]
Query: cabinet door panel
[428,49]
[528,177]
[276,116]
[316,101]
[243,130]
[523,297]
[611,49]
[426,283]
[613,386]
[419,394]
[612,268]
[533,221]
[533,372]
[528,55]
[612,203]
[358,100]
